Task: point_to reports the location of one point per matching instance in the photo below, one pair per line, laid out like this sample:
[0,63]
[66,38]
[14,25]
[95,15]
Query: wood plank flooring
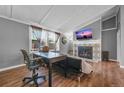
[105,74]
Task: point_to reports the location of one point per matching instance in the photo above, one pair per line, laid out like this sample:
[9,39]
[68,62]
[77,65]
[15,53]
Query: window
[36,35]
[51,40]
[42,38]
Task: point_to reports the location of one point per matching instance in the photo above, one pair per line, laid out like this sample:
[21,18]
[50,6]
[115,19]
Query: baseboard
[121,66]
[113,60]
[12,67]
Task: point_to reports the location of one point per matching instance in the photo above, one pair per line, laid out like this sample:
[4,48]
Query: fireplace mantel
[85,52]
[96,46]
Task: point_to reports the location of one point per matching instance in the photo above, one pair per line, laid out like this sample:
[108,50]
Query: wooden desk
[51,57]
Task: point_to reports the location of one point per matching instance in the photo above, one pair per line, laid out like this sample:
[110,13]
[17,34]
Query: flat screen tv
[84,34]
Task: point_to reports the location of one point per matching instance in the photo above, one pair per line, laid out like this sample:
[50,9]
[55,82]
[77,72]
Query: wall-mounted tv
[84,34]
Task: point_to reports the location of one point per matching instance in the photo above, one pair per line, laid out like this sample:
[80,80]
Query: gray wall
[13,37]
[109,43]
[122,35]
[110,37]
[95,26]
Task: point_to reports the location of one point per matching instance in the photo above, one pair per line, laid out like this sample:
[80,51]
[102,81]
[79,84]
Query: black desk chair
[32,65]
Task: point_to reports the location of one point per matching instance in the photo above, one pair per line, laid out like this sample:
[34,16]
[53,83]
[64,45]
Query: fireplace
[85,52]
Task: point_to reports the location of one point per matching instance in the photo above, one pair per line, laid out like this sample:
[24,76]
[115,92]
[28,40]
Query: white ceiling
[56,17]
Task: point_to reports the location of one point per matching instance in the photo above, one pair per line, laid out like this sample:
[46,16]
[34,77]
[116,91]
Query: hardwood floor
[105,74]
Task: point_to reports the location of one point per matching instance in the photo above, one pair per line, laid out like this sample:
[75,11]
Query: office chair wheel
[23,80]
[26,78]
[35,82]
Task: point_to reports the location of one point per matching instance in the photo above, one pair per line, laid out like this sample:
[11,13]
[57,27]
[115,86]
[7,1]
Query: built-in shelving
[109,23]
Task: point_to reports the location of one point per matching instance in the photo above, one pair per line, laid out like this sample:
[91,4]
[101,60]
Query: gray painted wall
[109,37]
[95,26]
[13,37]
[109,43]
[122,35]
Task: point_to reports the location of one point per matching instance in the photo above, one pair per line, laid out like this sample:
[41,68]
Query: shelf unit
[109,23]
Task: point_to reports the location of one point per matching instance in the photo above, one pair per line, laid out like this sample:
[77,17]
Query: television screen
[84,34]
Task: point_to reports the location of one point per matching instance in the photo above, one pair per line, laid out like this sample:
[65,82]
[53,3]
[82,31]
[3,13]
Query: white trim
[121,66]
[16,20]
[12,67]
[104,19]
[109,29]
[29,23]
[100,39]
[30,39]
[88,23]
[108,19]
[46,15]
[113,60]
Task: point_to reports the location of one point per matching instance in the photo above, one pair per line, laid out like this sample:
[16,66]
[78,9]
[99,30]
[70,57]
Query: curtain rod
[44,29]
